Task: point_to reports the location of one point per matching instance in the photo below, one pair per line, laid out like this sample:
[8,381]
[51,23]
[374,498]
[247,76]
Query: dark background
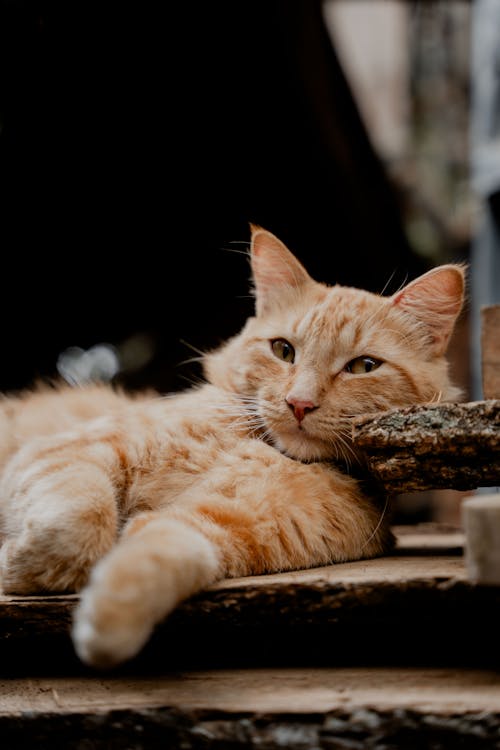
[138,141]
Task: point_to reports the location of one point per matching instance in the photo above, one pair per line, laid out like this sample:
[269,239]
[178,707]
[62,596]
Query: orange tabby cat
[144,501]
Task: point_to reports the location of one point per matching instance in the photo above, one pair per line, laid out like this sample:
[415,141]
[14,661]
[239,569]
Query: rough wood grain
[490,351]
[441,446]
[354,708]
[270,690]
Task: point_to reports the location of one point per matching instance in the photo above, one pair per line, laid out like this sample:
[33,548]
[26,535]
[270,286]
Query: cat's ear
[276,272]
[435,300]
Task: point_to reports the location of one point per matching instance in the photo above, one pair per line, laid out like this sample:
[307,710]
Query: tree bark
[442,446]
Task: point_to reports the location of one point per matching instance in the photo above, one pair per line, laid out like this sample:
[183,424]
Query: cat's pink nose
[300,408]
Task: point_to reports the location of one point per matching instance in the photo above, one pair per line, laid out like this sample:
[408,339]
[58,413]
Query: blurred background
[137,142]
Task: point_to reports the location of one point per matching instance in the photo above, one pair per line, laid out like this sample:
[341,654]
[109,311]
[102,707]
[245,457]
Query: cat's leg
[157,564]
[58,514]
[247,517]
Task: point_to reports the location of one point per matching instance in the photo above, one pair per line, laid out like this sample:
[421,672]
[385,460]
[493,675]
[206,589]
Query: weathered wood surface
[415,547]
[325,708]
[490,351]
[441,446]
[422,556]
[415,603]
[273,690]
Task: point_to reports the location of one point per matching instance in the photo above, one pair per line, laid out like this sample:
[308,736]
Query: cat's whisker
[192,380]
[339,455]
[190,361]
[387,283]
[344,439]
[436,398]
[252,426]
[193,348]
[268,437]
[403,284]
[346,452]
[245,416]
[236,251]
[377,527]
[166,397]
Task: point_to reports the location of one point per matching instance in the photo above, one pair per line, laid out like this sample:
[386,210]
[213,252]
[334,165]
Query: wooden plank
[416,603]
[31,616]
[34,615]
[272,708]
[23,617]
[274,690]
[490,351]
[440,446]
[451,543]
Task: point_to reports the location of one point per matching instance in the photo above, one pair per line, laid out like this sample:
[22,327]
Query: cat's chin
[303,447]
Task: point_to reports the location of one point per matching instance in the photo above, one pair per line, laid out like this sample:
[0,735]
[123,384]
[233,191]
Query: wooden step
[413,607]
[349,708]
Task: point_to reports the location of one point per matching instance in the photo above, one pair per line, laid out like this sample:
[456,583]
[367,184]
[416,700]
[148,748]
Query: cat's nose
[300,408]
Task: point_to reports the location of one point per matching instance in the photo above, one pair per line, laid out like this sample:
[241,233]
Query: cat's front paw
[111,622]
[103,635]
[136,585]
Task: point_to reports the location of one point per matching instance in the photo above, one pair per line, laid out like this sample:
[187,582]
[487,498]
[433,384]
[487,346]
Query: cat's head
[314,356]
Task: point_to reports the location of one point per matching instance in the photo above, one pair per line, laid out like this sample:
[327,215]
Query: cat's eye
[283,350]
[362,365]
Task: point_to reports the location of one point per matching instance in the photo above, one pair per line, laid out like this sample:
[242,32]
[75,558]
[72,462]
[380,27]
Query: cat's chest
[183,447]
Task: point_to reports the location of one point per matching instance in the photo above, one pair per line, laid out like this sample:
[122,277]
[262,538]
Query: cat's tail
[136,585]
